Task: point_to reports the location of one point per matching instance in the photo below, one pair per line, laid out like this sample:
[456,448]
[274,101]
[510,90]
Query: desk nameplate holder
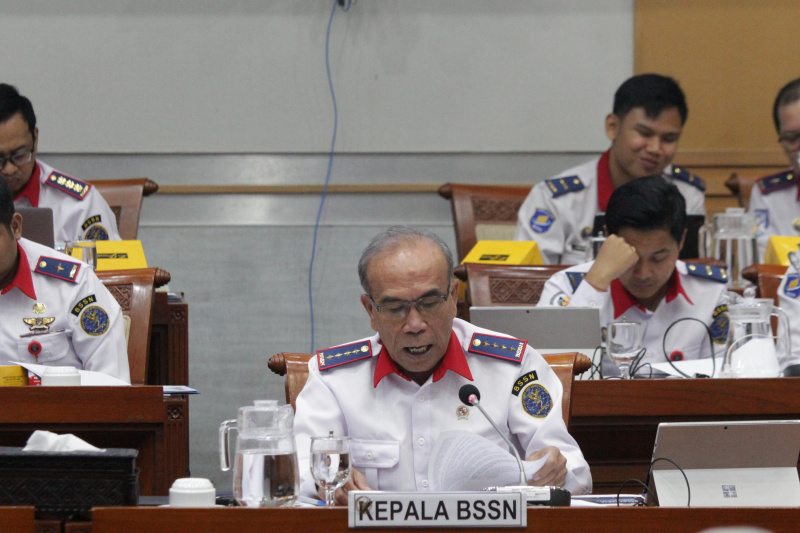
[436,509]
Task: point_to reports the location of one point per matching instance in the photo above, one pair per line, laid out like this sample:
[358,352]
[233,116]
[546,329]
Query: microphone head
[466,391]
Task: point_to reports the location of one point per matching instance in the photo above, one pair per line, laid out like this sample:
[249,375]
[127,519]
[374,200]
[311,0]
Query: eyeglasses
[17,159]
[425,306]
[790,139]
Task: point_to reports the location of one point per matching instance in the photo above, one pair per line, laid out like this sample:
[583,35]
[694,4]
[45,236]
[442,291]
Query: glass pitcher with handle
[731,238]
[753,350]
[265,472]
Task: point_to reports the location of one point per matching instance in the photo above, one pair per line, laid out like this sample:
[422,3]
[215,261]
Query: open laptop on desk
[728,464]
[547,329]
[37,225]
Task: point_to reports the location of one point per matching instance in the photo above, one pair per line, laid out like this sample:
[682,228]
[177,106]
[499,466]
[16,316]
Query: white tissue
[46,441]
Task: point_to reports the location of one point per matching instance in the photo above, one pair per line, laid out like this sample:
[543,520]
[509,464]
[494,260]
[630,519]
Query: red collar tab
[453,359]
[623,300]
[604,185]
[31,189]
[22,279]
[506,348]
[346,353]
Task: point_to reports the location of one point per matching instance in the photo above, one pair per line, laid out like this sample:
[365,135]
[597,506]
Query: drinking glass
[265,473]
[330,463]
[624,342]
[85,251]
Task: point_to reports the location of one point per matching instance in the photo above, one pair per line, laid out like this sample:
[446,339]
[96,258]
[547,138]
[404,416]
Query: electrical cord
[345,7]
[676,465]
[710,341]
[633,480]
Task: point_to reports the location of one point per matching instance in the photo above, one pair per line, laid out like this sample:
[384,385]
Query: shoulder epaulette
[347,353]
[776,182]
[686,176]
[575,279]
[709,272]
[71,186]
[562,186]
[506,348]
[58,268]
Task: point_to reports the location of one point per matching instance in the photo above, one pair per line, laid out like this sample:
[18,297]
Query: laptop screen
[37,225]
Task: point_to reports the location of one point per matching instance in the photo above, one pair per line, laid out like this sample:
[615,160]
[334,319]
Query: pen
[312,501]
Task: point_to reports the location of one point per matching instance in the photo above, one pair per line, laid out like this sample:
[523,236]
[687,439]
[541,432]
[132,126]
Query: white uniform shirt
[560,222]
[777,208]
[86,330]
[789,301]
[82,217]
[394,425]
[690,296]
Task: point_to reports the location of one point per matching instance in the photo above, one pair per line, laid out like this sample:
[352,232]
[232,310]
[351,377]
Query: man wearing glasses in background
[79,211]
[395,392]
[775,199]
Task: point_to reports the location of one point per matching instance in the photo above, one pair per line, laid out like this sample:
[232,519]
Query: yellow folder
[120,255]
[778,249]
[505,253]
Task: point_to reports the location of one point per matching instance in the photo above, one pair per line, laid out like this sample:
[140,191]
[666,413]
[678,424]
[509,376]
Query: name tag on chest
[436,509]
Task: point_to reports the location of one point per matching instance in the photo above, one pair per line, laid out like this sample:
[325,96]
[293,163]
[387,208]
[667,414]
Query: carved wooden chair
[741,187]
[133,290]
[295,367]
[483,212]
[124,196]
[767,279]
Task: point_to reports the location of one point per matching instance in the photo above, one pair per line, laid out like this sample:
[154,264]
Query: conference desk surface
[602,520]
[615,421]
[139,417]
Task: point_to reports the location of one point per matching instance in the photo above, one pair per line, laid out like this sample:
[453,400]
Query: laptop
[37,224]
[728,464]
[547,329]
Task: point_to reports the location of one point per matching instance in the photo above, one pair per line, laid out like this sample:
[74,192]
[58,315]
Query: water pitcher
[752,349]
[265,471]
[731,237]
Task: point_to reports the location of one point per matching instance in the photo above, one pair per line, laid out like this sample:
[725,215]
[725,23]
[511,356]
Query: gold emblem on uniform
[39,325]
[462,412]
[476,342]
[43,264]
[39,308]
[364,349]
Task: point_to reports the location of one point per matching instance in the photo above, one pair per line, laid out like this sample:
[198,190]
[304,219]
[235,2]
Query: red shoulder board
[347,353]
[776,182]
[506,348]
[58,268]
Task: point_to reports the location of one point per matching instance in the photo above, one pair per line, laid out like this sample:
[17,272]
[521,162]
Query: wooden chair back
[488,285]
[483,212]
[295,367]
[767,279]
[124,196]
[133,290]
[741,187]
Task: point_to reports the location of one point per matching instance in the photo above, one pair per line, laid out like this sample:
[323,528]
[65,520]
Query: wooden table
[139,417]
[602,520]
[615,421]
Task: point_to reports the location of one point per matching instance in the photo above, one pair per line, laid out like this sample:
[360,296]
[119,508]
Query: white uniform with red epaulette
[394,424]
[707,303]
[559,213]
[72,321]
[79,211]
[775,201]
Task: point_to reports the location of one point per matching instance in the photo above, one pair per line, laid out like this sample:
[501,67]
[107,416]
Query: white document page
[465,461]
[88,377]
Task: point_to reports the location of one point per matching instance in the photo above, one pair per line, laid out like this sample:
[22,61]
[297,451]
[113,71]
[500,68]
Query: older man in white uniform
[395,392]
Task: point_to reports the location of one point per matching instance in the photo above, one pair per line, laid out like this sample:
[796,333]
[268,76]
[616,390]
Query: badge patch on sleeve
[719,327]
[69,185]
[536,400]
[530,377]
[560,299]
[762,221]
[575,279]
[57,268]
[94,320]
[347,353]
[541,221]
[500,347]
[93,229]
[792,287]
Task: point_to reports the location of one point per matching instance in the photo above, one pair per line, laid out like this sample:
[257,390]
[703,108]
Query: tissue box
[66,483]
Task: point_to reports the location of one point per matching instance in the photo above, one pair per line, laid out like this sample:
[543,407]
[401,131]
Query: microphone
[470,395]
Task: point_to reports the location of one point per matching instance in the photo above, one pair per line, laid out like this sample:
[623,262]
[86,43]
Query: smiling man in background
[644,129]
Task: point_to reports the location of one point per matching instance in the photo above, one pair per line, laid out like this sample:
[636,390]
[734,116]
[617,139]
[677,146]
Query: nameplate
[436,509]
